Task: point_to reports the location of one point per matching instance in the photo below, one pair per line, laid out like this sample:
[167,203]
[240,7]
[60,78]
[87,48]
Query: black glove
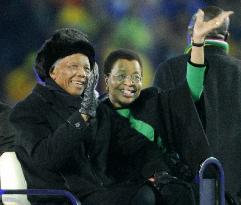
[89,102]
[178,168]
[163,178]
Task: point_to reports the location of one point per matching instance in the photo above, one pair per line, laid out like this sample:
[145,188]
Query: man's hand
[202,28]
[89,102]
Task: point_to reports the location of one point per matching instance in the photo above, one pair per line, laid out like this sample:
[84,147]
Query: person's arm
[47,146]
[145,156]
[195,79]
[195,76]
[142,153]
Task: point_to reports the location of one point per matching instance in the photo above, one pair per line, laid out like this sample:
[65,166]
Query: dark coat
[58,150]
[174,118]
[6,130]
[222,97]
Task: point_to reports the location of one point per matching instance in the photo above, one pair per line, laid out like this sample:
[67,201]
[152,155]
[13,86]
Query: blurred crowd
[156,29]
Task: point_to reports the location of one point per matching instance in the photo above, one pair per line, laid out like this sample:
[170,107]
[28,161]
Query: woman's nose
[128,80]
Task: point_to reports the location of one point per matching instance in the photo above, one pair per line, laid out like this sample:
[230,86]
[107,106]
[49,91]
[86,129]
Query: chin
[76,92]
[128,101]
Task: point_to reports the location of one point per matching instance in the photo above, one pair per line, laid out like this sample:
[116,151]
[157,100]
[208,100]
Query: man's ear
[52,73]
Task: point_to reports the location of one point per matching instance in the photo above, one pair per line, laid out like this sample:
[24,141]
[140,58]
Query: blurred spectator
[19,82]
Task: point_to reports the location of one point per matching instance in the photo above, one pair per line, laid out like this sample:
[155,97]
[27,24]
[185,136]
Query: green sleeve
[195,79]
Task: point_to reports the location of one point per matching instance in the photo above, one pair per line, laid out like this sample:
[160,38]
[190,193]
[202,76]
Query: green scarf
[140,126]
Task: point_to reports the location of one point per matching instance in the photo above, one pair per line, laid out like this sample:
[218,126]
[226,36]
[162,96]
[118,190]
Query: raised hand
[200,31]
[202,28]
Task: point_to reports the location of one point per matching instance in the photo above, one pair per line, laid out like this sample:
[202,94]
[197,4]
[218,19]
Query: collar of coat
[211,42]
[127,112]
[61,95]
[64,105]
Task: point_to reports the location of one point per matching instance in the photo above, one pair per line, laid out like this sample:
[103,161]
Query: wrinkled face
[71,73]
[124,82]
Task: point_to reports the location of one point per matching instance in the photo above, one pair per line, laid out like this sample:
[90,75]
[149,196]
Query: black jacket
[222,97]
[174,118]
[6,130]
[58,150]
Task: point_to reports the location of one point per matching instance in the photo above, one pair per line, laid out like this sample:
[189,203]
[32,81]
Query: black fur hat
[63,42]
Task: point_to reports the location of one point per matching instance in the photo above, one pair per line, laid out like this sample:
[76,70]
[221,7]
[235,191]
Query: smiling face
[124,82]
[71,73]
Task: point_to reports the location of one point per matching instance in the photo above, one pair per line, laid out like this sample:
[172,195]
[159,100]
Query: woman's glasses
[135,78]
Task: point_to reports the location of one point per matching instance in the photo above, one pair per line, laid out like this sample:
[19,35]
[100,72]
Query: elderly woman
[168,118]
[64,141]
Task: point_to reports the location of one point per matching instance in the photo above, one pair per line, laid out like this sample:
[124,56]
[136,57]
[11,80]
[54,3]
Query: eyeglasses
[136,78]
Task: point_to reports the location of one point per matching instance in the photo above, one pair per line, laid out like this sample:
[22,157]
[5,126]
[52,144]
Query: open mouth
[128,93]
[78,84]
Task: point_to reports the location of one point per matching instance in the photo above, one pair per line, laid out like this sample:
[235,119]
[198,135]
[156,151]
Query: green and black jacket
[170,119]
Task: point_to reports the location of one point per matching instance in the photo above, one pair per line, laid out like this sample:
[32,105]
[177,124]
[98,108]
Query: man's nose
[81,72]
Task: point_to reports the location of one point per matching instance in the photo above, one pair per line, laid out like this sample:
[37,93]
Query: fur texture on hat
[64,42]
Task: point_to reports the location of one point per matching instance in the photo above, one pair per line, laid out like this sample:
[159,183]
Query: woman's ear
[106,82]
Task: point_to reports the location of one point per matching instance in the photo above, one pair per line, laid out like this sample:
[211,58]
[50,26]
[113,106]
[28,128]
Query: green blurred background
[156,29]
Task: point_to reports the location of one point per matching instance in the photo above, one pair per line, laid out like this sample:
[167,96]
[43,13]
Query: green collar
[211,42]
[141,127]
[124,112]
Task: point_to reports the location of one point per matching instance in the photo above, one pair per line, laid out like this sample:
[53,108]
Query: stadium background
[156,29]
